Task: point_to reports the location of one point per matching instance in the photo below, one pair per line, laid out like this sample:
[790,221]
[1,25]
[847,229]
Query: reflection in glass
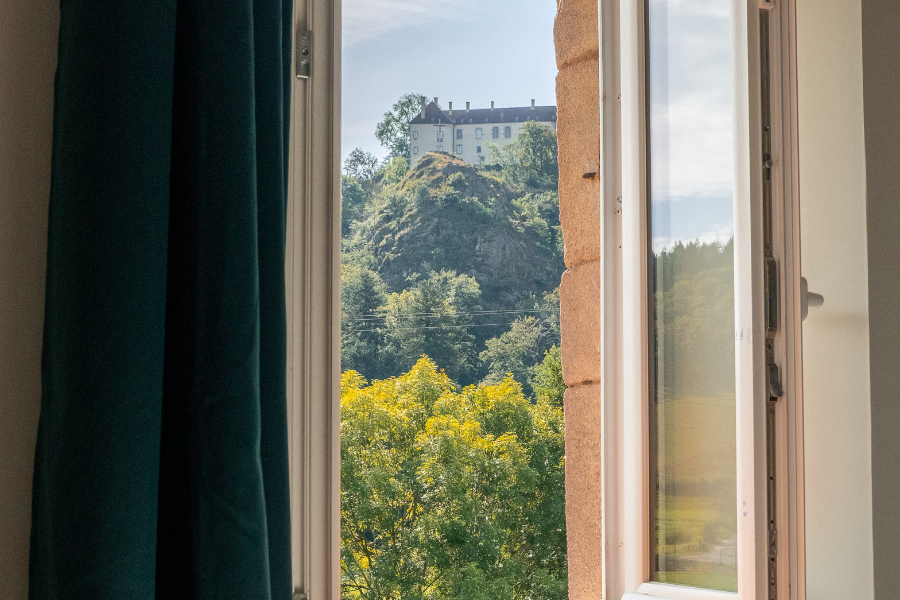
[692,411]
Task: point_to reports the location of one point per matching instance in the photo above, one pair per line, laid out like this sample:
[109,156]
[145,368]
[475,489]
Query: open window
[702,394]
[751,145]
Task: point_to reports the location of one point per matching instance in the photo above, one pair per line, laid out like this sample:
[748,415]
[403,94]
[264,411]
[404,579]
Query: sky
[691,123]
[502,50]
[458,50]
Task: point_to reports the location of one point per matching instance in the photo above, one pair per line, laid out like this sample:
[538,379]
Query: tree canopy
[393,130]
[449,494]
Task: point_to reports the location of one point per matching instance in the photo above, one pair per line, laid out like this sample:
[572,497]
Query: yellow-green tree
[449,494]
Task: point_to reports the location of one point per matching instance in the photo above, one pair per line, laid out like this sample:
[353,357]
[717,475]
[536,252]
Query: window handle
[808,299]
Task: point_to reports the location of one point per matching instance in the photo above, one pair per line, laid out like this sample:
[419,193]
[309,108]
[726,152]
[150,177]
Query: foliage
[448,494]
[540,212]
[354,198]
[694,308]
[361,165]
[363,295]
[433,317]
[547,379]
[530,160]
[393,130]
[394,170]
[515,352]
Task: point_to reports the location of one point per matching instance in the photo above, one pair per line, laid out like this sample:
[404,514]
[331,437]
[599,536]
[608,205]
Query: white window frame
[459,148]
[625,490]
[312,278]
[415,134]
[478,133]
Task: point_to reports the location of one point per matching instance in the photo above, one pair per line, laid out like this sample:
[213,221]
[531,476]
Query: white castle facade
[466,133]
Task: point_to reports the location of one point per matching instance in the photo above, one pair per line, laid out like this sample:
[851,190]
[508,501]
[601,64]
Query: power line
[429,327]
[448,314]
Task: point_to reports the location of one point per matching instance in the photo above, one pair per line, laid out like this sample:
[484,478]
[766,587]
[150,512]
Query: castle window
[415,135]
[415,149]
[440,147]
[459,134]
[478,149]
[495,132]
[478,133]
[440,135]
[459,148]
[507,132]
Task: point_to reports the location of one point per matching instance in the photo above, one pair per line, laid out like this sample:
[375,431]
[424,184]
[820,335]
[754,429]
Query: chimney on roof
[492,105]
[467,106]
[435,100]
[424,104]
[532,104]
[450,107]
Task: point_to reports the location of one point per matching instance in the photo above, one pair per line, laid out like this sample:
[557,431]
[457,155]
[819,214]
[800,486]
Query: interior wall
[27,65]
[836,336]
[881,72]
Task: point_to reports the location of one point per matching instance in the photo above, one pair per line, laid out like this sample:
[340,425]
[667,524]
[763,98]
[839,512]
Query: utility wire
[429,327]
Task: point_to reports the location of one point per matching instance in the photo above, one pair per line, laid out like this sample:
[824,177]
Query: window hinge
[304,48]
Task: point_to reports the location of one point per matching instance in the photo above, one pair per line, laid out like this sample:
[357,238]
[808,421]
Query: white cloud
[365,20]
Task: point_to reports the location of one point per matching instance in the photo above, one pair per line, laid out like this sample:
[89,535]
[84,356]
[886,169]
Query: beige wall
[27,64]
[836,336]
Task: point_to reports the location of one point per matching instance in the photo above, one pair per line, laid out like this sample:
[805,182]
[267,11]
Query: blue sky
[458,50]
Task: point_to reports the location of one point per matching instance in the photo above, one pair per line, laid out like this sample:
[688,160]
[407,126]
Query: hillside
[446,214]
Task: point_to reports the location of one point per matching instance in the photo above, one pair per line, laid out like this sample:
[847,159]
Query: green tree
[393,130]
[547,379]
[434,317]
[361,164]
[394,170]
[450,494]
[538,152]
[515,352]
[363,294]
[529,161]
[354,198]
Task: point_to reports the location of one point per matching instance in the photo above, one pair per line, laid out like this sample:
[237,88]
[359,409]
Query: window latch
[304,48]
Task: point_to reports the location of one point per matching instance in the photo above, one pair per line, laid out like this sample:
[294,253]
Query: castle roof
[434,115]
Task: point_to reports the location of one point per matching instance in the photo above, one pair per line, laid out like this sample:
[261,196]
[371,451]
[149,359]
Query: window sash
[625,315]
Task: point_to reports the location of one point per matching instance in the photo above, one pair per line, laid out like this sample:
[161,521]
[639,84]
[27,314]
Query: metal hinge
[304,64]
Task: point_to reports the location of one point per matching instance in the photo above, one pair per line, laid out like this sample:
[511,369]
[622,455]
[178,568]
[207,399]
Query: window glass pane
[692,387]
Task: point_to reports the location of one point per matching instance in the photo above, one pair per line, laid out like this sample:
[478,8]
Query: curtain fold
[161,467]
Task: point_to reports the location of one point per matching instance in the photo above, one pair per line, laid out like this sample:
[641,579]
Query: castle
[466,133]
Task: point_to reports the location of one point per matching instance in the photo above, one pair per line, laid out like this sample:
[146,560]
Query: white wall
[28,30]
[836,336]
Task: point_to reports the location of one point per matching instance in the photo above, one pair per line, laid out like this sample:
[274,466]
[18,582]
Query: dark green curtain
[161,468]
